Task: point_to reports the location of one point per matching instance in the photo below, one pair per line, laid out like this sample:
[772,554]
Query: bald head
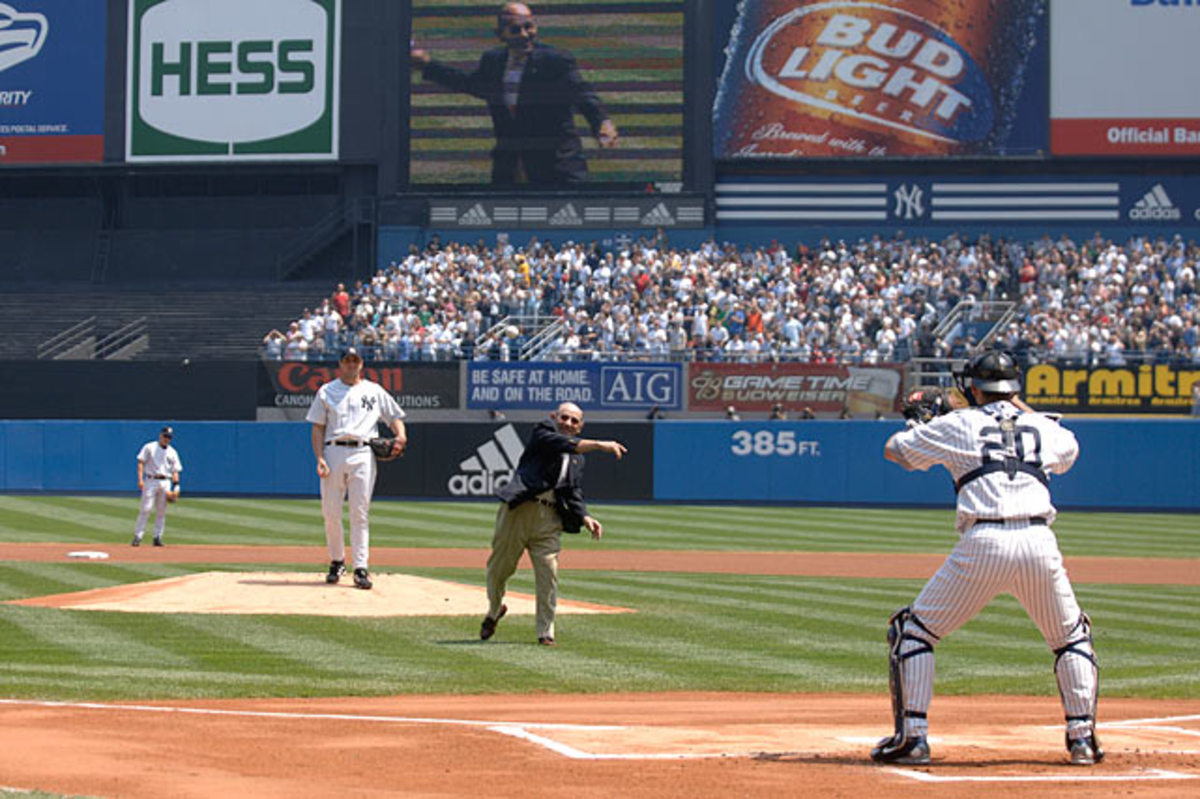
[516,27]
[568,419]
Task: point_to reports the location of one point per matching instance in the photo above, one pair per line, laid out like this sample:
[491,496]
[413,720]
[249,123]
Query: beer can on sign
[873,78]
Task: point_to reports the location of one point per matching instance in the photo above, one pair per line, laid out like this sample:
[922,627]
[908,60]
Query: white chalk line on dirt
[578,754]
[1149,774]
[204,711]
[521,730]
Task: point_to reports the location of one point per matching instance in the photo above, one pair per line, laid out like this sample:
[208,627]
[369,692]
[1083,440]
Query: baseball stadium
[595,398]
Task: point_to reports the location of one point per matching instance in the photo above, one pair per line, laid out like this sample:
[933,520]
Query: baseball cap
[167,431]
[350,352]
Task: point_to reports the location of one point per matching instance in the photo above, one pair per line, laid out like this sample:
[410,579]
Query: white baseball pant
[351,476]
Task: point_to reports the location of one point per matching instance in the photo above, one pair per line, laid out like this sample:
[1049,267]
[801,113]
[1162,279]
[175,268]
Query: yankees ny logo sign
[910,202]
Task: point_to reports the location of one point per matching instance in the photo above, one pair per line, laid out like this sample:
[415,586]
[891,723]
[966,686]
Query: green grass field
[691,631]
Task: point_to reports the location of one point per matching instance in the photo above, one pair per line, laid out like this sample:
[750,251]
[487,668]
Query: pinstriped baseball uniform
[349,415]
[1000,459]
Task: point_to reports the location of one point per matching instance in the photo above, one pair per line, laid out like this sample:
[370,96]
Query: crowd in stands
[876,300]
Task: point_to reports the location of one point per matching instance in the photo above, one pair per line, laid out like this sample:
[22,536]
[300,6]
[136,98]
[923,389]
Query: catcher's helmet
[994,372]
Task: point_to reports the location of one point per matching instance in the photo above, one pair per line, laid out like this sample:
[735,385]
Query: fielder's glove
[386,449]
[173,494]
[923,404]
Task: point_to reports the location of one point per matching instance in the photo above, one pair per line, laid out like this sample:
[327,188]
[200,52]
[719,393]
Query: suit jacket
[538,471]
[540,135]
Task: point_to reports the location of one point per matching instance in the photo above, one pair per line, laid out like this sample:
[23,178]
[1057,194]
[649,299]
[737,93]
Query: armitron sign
[1157,388]
[232,80]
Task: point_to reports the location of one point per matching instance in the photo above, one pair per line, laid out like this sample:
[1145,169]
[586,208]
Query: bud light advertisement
[881,79]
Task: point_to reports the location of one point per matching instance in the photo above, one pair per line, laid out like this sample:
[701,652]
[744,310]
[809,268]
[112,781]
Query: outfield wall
[1143,464]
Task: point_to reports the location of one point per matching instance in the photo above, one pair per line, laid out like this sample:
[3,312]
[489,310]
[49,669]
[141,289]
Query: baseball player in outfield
[158,468]
[1000,453]
[344,416]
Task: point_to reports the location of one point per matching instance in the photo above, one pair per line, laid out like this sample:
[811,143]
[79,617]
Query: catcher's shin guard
[907,638]
[1077,672]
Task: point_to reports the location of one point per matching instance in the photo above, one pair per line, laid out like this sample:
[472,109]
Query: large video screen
[483,115]
[808,79]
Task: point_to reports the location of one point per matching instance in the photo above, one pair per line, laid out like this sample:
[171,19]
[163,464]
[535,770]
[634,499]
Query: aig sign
[232,80]
[644,386]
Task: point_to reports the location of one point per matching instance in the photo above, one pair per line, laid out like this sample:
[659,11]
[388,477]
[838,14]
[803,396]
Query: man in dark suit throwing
[543,499]
[532,91]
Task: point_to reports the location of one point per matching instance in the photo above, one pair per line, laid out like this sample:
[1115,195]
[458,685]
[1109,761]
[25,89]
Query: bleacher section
[181,322]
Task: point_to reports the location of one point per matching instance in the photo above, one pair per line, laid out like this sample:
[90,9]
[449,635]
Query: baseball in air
[512,331]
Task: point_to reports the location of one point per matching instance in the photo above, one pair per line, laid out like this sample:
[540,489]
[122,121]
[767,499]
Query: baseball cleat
[158,542]
[546,640]
[137,542]
[901,751]
[336,569]
[1086,751]
[488,628]
[362,579]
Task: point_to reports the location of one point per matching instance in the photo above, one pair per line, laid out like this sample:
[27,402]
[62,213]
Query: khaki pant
[529,526]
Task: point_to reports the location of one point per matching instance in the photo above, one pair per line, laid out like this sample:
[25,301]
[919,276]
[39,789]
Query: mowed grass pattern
[691,631]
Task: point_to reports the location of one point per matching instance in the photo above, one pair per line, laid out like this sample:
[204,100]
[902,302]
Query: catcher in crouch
[344,415]
[1000,453]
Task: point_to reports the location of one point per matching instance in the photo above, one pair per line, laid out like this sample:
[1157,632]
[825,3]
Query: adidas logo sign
[567,215]
[475,216]
[658,215]
[1156,205]
[490,467]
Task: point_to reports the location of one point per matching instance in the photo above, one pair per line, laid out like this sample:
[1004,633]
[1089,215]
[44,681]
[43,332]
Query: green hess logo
[232,80]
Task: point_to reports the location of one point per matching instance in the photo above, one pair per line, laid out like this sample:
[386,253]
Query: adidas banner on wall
[652,211]
[932,199]
[471,460]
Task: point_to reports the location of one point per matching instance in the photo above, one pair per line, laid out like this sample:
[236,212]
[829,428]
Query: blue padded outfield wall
[1152,465]
[1142,464]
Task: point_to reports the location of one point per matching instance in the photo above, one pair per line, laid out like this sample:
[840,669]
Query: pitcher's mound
[300,594]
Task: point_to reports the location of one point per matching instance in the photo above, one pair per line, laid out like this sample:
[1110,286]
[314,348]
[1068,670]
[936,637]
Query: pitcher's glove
[923,404]
[386,449]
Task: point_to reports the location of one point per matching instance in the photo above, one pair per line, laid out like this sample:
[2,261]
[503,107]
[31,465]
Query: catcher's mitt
[923,404]
[386,449]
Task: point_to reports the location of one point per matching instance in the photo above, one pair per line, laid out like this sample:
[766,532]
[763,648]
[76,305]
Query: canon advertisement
[881,79]
[293,384]
[51,81]
[471,460]
[1123,77]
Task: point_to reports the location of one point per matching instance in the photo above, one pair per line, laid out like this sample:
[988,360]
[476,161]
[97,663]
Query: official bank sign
[214,80]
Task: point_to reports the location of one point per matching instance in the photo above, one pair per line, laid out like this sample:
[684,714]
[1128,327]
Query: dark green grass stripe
[91,635]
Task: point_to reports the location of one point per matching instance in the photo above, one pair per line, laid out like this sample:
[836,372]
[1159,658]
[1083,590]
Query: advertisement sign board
[51,81]
[1147,388]
[862,391]
[913,200]
[849,78]
[471,460]
[591,386]
[1122,78]
[293,384]
[218,80]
